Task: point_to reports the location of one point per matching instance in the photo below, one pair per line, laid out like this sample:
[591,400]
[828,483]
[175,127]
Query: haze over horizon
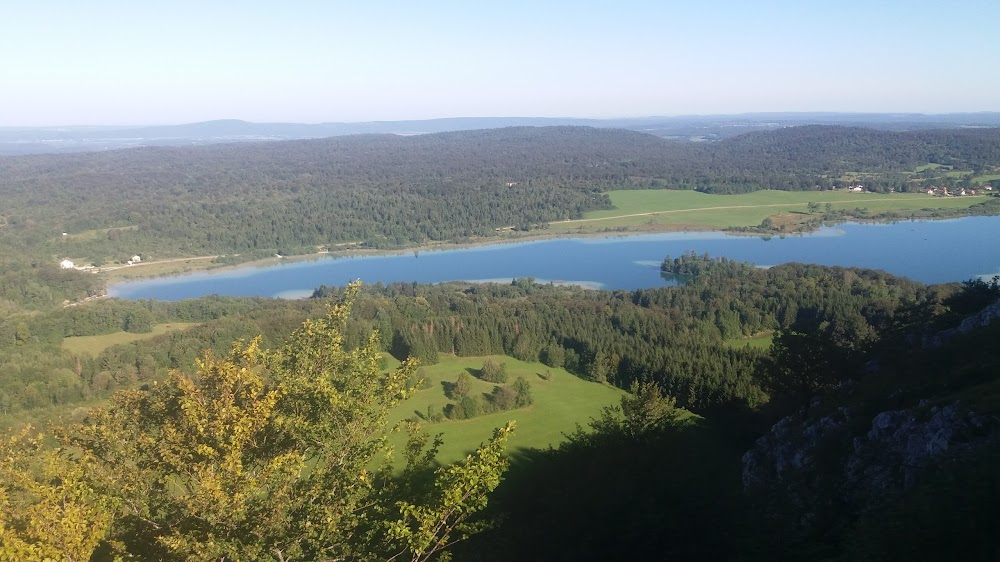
[123,63]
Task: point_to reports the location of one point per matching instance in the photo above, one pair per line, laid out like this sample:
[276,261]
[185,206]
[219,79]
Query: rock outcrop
[981,319]
[841,460]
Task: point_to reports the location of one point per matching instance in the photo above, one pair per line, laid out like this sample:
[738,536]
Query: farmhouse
[66,264]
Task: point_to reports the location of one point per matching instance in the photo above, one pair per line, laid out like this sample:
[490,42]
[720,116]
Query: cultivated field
[700,211]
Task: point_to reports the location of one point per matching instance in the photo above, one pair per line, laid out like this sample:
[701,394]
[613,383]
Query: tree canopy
[260,454]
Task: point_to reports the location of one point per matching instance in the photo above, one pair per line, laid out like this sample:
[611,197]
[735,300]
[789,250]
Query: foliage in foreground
[260,455]
[47,511]
[641,482]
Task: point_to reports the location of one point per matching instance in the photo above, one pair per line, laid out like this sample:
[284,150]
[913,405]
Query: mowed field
[94,345]
[560,403]
[701,211]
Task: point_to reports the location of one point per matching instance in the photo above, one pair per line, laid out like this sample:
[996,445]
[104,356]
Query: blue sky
[79,62]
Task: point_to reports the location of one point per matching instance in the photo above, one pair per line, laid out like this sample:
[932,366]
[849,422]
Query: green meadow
[762,341]
[560,403]
[683,209]
[987,177]
[94,345]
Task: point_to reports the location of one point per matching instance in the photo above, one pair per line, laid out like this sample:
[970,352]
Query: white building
[66,264]
[136,259]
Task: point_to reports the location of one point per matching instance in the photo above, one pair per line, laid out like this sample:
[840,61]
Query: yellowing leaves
[258,455]
[47,511]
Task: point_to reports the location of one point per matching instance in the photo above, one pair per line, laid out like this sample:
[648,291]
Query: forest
[248,201]
[386,191]
[673,336]
[667,346]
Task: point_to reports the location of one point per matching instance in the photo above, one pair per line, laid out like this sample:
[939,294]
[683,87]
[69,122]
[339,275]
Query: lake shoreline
[609,260]
[426,247]
[797,230]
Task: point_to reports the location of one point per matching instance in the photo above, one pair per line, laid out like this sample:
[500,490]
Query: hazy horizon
[130,64]
[757,114]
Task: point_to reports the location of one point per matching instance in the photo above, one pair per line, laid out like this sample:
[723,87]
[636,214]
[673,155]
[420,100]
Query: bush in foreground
[259,455]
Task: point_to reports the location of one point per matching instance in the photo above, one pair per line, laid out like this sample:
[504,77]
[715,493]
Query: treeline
[36,372]
[678,337]
[390,191]
[35,285]
[673,336]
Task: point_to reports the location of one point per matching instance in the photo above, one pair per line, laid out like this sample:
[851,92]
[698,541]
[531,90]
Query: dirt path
[157,262]
[720,208]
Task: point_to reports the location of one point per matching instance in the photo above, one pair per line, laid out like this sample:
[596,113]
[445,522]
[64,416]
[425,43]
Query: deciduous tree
[273,455]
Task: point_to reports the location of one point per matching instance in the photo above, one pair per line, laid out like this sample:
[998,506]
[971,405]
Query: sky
[131,62]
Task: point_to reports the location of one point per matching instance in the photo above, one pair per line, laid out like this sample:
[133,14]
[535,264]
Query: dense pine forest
[673,336]
[844,340]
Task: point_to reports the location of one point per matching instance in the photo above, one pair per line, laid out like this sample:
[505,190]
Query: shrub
[494,372]
[522,390]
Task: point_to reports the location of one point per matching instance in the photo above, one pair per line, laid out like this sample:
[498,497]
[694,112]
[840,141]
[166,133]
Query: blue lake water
[928,251]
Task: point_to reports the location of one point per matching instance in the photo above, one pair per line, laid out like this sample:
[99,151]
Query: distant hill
[40,140]
[390,191]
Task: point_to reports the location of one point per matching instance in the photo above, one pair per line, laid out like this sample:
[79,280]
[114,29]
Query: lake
[928,251]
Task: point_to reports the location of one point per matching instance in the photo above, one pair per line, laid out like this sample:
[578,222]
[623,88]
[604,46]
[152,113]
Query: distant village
[68,264]
[944,192]
[941,191]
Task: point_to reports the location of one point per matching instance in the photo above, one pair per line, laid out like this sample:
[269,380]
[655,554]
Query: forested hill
[865,149]
[390,191]
[834,150]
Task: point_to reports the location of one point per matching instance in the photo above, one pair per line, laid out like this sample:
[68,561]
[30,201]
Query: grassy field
[155,268]
[762,341]
[700,211]
[95,233]
[93,345]
[950,174]
[560,403]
